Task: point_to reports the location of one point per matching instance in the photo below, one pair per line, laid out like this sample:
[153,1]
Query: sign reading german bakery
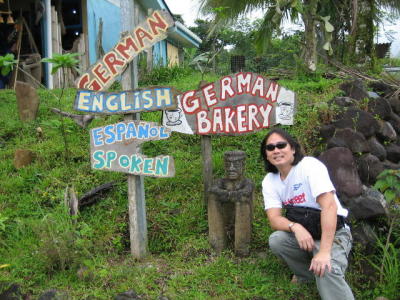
[114,148]
[145,99]
[103,73]
[236,104]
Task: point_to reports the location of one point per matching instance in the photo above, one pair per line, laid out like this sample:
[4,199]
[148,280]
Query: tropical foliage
[335,25]
[6,63]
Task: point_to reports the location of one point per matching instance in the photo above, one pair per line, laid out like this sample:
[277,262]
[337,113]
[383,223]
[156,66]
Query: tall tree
[347,16]
[277,12]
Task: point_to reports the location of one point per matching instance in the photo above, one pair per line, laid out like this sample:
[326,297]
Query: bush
[163,74]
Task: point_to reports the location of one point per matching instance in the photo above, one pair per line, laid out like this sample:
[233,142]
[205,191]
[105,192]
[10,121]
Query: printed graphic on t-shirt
[296,200]
[296,186]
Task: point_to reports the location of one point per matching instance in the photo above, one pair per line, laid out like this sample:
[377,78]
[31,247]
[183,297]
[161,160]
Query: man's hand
[303,237]
[320,262]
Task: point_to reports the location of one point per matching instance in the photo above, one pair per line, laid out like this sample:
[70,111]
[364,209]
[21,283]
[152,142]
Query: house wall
[173,54]
[160,54]
[109,12]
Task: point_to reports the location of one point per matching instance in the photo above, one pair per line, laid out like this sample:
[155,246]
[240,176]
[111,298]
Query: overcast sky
[189,9]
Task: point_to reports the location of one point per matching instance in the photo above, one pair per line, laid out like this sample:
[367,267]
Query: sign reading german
[103,73]
[140,100]
[234,105]
[114,148]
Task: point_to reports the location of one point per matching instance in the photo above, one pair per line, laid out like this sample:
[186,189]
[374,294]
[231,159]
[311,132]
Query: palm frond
[228,9]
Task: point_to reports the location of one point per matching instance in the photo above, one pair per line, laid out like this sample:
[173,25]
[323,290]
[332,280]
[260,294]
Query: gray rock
[129,295]
[370,204]
[390,165]
[355,89]
[343,102]
[359,120]
[355,141]
[327,131]
[382,88]
[395,103]
[53,295]
[342,170]
[377,148]
[336,142]
[393,153]
[386,131]
[10,291]
[369,167]
[364,235]
[373,95]
[22,158]
[380,107]
[27,101]
[395,121]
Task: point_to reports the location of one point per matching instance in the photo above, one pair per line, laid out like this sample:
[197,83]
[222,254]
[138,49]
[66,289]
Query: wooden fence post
[136,197]
[206,153]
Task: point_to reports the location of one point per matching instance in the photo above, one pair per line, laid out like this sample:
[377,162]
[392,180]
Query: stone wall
[361,141]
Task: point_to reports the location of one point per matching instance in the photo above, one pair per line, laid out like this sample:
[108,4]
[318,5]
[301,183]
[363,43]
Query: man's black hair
[298,154]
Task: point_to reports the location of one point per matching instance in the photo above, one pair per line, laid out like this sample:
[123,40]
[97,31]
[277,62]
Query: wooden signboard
[103,73]
[234,105]
[140,100]
[114,148]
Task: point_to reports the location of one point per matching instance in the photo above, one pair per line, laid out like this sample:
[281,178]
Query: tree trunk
[370,33]
[310,47]
[351,52]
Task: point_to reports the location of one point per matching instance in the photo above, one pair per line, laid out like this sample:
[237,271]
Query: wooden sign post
[136,198]
[116,147]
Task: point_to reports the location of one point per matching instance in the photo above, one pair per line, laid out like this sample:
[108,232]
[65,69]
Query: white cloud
[189,9]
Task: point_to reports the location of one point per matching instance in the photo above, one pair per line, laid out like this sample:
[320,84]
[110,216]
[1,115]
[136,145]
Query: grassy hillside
[88,256]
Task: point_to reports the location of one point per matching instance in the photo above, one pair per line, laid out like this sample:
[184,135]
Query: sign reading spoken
[236,104]
[146,99]
[103,73]
[115,148]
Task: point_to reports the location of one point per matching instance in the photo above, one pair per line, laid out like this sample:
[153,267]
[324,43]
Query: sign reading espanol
[103,73]
[234,105]
[114,148]
[140,100]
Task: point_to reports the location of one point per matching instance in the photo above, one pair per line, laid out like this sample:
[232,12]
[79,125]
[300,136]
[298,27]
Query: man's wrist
[291,224]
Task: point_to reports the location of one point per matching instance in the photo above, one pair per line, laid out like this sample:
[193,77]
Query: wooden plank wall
[56,44]
[78,47]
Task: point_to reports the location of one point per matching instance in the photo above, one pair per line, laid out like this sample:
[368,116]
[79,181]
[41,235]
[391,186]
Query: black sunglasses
[279,145]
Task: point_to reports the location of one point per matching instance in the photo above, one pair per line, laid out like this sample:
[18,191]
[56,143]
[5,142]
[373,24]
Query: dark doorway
[72,17]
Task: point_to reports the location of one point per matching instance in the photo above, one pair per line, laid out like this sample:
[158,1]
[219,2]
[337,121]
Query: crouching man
[312,237]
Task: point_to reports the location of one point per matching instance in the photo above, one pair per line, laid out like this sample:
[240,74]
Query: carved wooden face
[234,168]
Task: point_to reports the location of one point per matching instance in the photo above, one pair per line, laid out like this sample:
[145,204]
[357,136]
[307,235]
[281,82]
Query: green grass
[89,256]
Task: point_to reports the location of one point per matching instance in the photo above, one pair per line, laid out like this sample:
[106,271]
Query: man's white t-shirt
[304,183]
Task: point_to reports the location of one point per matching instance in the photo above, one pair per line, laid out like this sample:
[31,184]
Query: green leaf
[66,60]
[329,27]
[55,69]
[381,185]
[6,63]
[4,71]
[389,195]
[327,46]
